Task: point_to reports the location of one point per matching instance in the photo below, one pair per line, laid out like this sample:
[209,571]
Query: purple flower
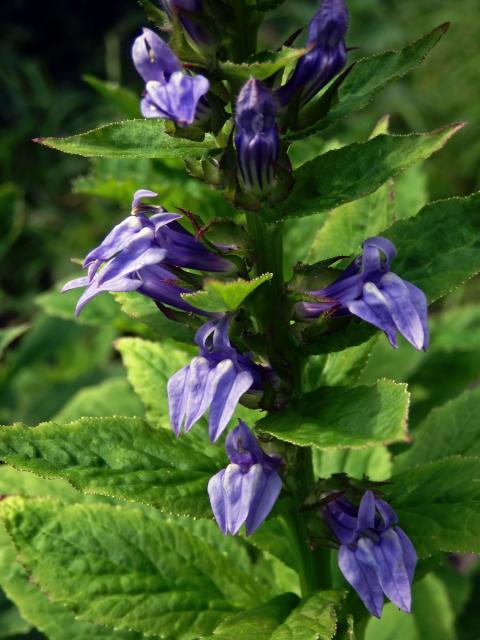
[369,290]
[215,380]
[326,57]
[256,138]
[247,489]
[375,556]
[139,253]
[186,10]
[169,92]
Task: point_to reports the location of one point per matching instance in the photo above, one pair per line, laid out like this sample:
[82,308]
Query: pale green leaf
[374,463]
[262,65]
[149,367]
[218,295]
[123,458]
[313,619]
[113,397]
[356,170]
[341,417]
[130,139]
[257,623]
[125,569]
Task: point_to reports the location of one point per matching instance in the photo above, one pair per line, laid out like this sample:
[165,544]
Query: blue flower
[139,253]
[256,138]
[370,291]
[326,57]
[215,380]
[375,556]
[247,489]
[169,92]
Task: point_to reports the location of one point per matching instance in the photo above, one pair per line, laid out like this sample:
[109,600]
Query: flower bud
[256,138]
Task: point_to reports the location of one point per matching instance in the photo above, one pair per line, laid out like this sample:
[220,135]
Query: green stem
[269,306]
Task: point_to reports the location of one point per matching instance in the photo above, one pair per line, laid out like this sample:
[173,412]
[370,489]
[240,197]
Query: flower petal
[238,487]
[391,570]
[177,388]
[179,96]
[116,240]
[230,387]
[217,497]
[375,309]
[199,392]
[266,490]
[152,57]
[402,309]
[362,578]
[366,512]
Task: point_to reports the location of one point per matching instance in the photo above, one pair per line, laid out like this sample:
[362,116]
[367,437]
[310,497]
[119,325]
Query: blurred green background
[55,207]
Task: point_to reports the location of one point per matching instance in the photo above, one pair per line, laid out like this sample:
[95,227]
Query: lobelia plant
[300,503]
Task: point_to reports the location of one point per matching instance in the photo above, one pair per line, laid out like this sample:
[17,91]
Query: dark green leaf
[119,457]
[130,139]
[439,249]
[123,99]
[438,505]
[372,74]
[449,430]
[374,462]
[125,569]
[354,171]
[341,417]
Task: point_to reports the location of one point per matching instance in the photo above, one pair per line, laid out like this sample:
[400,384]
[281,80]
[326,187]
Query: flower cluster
[375,556]
[148,254]
[369,290]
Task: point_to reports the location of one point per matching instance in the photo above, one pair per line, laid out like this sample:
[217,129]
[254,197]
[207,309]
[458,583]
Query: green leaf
[100,311]
[118,457]
[257,623]
[109,398]
[224,296]
[439,249]
[14,482]
[372,74]
[146,311]
[53,620]
[12,216]
[313,619]
[375,463]
[125,569]
[432,617]
[438,505]
[130,139]
[9,334]
[452,429]
[341,417]
[126,101]
[149,366]
[262,65]
[356,170]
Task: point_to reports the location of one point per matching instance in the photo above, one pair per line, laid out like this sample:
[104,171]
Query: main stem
[273,318]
